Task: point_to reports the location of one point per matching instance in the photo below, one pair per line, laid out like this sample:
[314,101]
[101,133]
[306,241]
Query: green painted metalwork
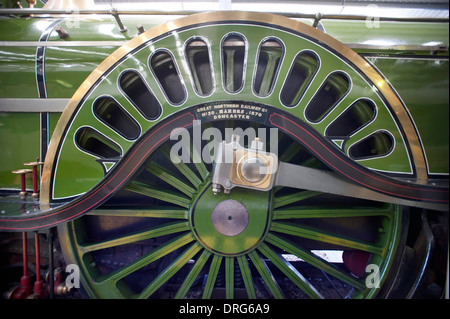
[412,78]
[256,203]
[18,148]
[314,234]
[397,159]
[314,260]
[178,230]
[290,271]
[389,34]
[212,276]
[275,228]
[154,192]
[170,270]
[184,288]
[67,67]
[247,276]
[266,274]
[160,230]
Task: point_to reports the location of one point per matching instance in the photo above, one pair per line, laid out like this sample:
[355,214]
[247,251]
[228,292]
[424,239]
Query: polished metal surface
[252,172]
[237,166]
[253,169]
[62,43]
[189,12]
[301,177]
[229,217]
[32,105]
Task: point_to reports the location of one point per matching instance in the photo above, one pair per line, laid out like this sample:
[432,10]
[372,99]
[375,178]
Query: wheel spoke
[167,176]
[150,257]
[293,198]
[193,274]
[212,276]
[196,158]
[201,167]
[152,213]
[314,260]
[247,276]
[184,169]
[154,192]
[318,212]
[290,152]
[170,270]
[293,274]
[160,230]
[266,274]
[322,236]
[229,277]
[269,73]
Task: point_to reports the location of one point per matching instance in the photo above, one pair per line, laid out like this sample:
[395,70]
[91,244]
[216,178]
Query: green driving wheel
[165,234]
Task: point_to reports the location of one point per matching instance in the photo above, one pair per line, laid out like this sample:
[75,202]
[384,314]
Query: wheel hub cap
[230,218]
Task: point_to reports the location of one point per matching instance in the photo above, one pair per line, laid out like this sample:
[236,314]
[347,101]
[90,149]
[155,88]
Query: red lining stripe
[353,167]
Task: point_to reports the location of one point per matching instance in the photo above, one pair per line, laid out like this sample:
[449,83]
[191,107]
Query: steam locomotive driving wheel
[158,117]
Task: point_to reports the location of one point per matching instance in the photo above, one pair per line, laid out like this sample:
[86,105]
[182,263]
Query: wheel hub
[229,217]
[230,224]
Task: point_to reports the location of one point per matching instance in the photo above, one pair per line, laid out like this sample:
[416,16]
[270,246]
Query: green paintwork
[389,33]
[17,149]
[275,219]
[257,204]
[428,107]
[18,73]
[91,172]
[291,272]
[62,79]
[107,285]
[67,67]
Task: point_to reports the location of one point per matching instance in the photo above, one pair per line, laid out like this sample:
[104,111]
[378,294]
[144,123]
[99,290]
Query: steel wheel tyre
[155,237]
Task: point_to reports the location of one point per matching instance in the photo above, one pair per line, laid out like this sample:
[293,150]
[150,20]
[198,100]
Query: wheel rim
[166,78]
[254,66]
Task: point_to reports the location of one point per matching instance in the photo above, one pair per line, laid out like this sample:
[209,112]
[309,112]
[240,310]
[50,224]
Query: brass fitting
[244,167]
[22,172]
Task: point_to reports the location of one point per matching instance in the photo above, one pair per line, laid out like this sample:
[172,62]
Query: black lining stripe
[42,90]
[126,169]
[349,169]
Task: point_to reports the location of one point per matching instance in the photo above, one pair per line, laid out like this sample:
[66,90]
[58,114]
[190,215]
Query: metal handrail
[319,16]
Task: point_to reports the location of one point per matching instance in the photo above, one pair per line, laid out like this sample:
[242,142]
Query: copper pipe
[34,166]
[37,253]
[25,254]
